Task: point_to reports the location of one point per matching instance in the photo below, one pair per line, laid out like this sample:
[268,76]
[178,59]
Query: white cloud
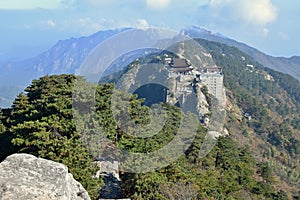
[158,4]
[50,23]
[142,24]
[45,24]
[257,12]
[30,4]
[265,32]
[217,3]
[100,2]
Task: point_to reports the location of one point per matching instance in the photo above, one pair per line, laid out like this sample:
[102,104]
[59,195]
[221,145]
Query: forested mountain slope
[258,160]
[272,100]
[285,65]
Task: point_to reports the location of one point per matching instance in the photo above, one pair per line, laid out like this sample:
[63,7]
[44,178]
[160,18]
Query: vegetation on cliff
[258,160]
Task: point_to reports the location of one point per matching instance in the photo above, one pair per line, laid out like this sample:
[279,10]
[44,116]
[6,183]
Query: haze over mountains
[67,55]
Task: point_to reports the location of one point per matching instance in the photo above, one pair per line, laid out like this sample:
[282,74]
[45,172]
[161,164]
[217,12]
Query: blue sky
[31,26]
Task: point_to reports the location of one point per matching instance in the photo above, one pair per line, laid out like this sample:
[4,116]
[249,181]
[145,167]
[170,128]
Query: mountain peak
[193,30]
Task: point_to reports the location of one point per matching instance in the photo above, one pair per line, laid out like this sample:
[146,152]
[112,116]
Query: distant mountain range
[285,65]
[67,55]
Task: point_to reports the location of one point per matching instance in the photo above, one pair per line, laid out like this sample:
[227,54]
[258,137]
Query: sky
[29,27]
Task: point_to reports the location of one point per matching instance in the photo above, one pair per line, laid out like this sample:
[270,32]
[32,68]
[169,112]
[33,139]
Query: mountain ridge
[67,55]
[269,136]
[286,65]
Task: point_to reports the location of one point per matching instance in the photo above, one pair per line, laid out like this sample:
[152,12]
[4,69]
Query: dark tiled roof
[179,63]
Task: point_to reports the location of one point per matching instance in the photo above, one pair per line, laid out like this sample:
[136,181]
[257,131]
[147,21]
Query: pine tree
[42,124]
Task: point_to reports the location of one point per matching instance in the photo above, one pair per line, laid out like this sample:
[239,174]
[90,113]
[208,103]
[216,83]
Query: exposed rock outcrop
[202,104]
[24,176]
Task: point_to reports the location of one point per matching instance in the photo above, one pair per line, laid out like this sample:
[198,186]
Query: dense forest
[272,99]
[258,160]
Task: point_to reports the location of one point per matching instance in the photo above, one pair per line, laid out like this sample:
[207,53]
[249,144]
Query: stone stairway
[112,188]
[109,171]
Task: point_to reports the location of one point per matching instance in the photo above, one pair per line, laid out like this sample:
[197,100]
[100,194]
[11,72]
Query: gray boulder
[24,176]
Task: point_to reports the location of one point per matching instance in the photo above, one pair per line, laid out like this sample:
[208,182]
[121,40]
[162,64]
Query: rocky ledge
[24,176]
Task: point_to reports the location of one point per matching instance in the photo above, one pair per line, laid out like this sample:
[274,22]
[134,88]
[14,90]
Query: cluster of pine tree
[40,122]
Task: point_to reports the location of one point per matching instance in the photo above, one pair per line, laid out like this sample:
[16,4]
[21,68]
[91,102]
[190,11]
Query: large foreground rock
[26,177]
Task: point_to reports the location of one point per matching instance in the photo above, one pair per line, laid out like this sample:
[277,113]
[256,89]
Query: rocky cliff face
[181,88]
[24,176]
